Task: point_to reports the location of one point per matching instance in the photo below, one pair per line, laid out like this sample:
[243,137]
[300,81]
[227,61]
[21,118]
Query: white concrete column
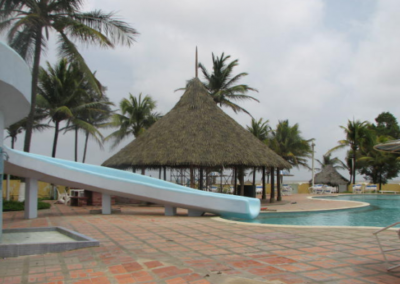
[31,198]
[169,210]
[105,204]
[1,172]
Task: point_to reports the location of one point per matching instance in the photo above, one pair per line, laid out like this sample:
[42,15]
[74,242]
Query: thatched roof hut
[196,133]
[330,176]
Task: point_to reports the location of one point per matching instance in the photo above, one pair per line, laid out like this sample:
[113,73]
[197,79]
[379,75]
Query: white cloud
[312,71]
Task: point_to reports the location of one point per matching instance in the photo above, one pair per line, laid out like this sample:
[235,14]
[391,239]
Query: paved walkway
[140,245]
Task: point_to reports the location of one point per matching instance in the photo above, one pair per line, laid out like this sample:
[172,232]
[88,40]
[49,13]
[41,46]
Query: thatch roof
[196,132]
[330,176]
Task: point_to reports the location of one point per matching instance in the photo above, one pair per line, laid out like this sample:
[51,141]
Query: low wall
[44,189]
[386,187]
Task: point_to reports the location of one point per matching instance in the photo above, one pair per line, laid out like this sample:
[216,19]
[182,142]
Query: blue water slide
[126,184]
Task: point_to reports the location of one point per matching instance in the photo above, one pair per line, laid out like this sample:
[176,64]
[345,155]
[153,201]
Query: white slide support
[110,181]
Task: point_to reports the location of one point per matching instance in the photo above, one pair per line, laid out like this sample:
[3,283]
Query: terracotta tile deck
[140,245]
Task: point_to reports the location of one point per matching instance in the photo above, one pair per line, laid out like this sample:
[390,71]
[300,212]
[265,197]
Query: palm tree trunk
[354,169]
[55,139]
[76,143]
[35,76]
[85,148]
[278,176]
[12,142]
[272,195]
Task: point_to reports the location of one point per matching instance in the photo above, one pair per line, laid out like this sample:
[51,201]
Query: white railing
[383,251]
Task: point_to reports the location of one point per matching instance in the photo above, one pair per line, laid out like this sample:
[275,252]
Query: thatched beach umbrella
[390,146]
[196,133]
[330,176]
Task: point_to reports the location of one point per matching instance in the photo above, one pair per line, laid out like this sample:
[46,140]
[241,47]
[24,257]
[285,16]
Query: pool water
[383,211]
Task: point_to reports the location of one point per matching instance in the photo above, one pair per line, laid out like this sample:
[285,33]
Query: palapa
[330,176]
[196,133]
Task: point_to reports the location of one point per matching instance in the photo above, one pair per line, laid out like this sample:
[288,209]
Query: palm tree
[20,126]
[30,23]
[335,162]
[97,119]
[136,116]
[59,92]
[357,133]
[288,143]
[221,83]
[90,119]
[261,130]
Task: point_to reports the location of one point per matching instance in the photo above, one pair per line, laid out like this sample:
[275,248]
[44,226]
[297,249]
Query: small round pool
[383,211]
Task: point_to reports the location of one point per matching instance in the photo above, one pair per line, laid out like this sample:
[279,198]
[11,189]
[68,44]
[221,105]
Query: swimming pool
[383,211]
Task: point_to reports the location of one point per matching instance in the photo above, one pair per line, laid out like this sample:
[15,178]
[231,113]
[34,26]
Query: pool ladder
[389,267]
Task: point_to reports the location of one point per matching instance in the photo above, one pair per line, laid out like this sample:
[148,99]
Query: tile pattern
[140,245]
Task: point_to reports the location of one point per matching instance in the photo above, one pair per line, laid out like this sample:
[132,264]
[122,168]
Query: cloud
[314,63]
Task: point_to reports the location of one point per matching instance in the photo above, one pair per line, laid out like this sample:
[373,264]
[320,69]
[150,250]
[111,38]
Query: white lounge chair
[357,188]
[383,251]
[371,188]
[286,189]
[328,189]
[63,196]
[316,189]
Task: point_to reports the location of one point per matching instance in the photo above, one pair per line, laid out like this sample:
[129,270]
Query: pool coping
[361,204]
[21,249]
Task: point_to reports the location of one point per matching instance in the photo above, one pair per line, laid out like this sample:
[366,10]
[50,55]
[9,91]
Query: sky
[318,63]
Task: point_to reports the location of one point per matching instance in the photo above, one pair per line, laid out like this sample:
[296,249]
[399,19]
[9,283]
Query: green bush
[19,206]
[13,205]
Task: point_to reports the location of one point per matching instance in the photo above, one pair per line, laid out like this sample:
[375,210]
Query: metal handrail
[388,250]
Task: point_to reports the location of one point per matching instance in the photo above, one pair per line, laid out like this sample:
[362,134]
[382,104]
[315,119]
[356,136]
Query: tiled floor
[140,245]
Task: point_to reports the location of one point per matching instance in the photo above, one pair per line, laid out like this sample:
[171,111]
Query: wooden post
[254,182]
[278,176]
[235,191]
[242,181]
[222,173]
[272,195]
[165,173]
[264,193]
[191,177]
[201,178]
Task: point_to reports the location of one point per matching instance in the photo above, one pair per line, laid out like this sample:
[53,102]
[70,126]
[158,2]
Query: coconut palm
[59,92]
[20,126]
[89,120]
[261,130]
[288,143]
[357,133]
[221,83]
[98,119]
[136,116]
[335,162]
[30,23]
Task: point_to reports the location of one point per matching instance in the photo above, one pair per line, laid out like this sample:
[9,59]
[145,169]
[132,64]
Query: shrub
[19,206]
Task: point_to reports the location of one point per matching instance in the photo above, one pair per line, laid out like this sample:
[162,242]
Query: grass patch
[20,206]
